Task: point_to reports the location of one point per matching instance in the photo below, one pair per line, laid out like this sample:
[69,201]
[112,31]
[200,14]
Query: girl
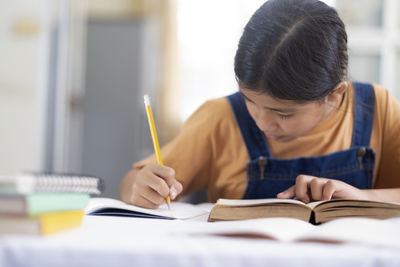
[296,128]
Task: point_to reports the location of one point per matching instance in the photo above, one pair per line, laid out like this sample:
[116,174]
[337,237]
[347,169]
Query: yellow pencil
[154,137]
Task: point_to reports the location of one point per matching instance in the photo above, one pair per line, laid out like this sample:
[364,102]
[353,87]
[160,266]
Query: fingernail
[173,192]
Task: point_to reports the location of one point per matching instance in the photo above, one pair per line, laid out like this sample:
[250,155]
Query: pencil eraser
[146,99]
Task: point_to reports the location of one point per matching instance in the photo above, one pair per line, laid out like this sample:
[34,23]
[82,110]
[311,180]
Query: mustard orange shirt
[209,152]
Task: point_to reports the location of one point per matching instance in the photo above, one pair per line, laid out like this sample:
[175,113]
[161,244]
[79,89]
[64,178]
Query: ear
[337,93]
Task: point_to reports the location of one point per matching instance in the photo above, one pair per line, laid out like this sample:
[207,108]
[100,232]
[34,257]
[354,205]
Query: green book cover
[39,203]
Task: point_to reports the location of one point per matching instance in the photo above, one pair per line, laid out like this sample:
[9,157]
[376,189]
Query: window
[374,45]
[208,34]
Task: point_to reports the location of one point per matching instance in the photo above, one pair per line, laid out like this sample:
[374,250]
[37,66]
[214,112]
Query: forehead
[264,99]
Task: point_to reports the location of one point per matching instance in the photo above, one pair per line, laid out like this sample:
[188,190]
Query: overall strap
[364,97]
[253,137]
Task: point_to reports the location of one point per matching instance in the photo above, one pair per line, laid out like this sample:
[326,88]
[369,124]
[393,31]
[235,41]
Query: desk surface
[120,241]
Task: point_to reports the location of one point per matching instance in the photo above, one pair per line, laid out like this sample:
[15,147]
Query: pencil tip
[168,200]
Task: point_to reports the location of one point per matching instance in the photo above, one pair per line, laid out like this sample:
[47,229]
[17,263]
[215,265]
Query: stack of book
[43,204]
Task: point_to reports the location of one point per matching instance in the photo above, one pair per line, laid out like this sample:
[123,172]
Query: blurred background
[73,73]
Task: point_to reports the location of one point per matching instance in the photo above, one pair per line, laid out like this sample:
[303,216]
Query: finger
[141,201]
[288,193]
[165,172]
[316,188]
[150,179]
[328,190]
[302,185]
[168,174]
[175,189]
[152,196]
[306,198]
[158,185]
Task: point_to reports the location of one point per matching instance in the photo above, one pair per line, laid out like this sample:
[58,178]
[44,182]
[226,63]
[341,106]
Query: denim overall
[267,176]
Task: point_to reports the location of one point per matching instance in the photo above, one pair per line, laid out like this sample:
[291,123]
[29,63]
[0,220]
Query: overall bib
[267,176]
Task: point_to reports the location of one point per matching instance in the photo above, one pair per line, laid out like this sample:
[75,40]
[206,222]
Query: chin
[284,139]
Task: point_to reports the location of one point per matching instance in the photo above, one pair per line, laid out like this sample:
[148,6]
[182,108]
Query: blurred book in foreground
[44,203]
[39,203]
[44,224]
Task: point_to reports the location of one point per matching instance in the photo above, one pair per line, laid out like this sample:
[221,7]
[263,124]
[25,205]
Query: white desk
[119,241]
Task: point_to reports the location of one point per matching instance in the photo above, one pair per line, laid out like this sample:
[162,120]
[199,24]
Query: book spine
[58,221]
[40,203]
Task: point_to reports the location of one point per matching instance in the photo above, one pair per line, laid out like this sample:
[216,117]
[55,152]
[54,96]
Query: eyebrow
[274,109]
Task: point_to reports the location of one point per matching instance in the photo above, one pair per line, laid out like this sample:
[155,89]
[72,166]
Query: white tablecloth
[120,241]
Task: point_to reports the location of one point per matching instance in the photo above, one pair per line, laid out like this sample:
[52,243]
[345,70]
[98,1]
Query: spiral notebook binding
[50,182]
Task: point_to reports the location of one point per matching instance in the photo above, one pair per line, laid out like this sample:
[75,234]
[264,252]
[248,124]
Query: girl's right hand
[150,186]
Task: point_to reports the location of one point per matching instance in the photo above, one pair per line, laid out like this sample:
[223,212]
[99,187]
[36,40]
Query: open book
[314,212]
[114,207]
[345,230]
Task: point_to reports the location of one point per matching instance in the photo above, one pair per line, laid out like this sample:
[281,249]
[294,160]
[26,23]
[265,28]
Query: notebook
[114,207]
[48,182]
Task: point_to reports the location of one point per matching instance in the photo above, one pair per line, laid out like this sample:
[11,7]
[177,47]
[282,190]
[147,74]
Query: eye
[285,117]
[248,100]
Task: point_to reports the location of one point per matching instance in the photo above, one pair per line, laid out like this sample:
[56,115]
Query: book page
[341,208]
[251,202]
[109,206]
[312,205]
[353,203]
[245,209]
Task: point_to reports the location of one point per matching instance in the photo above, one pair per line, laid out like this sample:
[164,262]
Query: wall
[19,71]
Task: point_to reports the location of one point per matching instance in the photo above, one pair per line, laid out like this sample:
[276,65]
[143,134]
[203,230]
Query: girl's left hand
[311,188]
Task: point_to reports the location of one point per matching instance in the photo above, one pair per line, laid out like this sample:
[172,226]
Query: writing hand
[151,185]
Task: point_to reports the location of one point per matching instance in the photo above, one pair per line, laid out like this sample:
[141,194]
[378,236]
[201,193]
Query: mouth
[273,137]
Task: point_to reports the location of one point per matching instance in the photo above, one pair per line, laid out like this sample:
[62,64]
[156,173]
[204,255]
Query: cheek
[253,111]
[297,126]
[303,124]
[257,115]
[292,126]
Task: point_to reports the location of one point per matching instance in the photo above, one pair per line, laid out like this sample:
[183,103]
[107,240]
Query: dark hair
[293,50]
